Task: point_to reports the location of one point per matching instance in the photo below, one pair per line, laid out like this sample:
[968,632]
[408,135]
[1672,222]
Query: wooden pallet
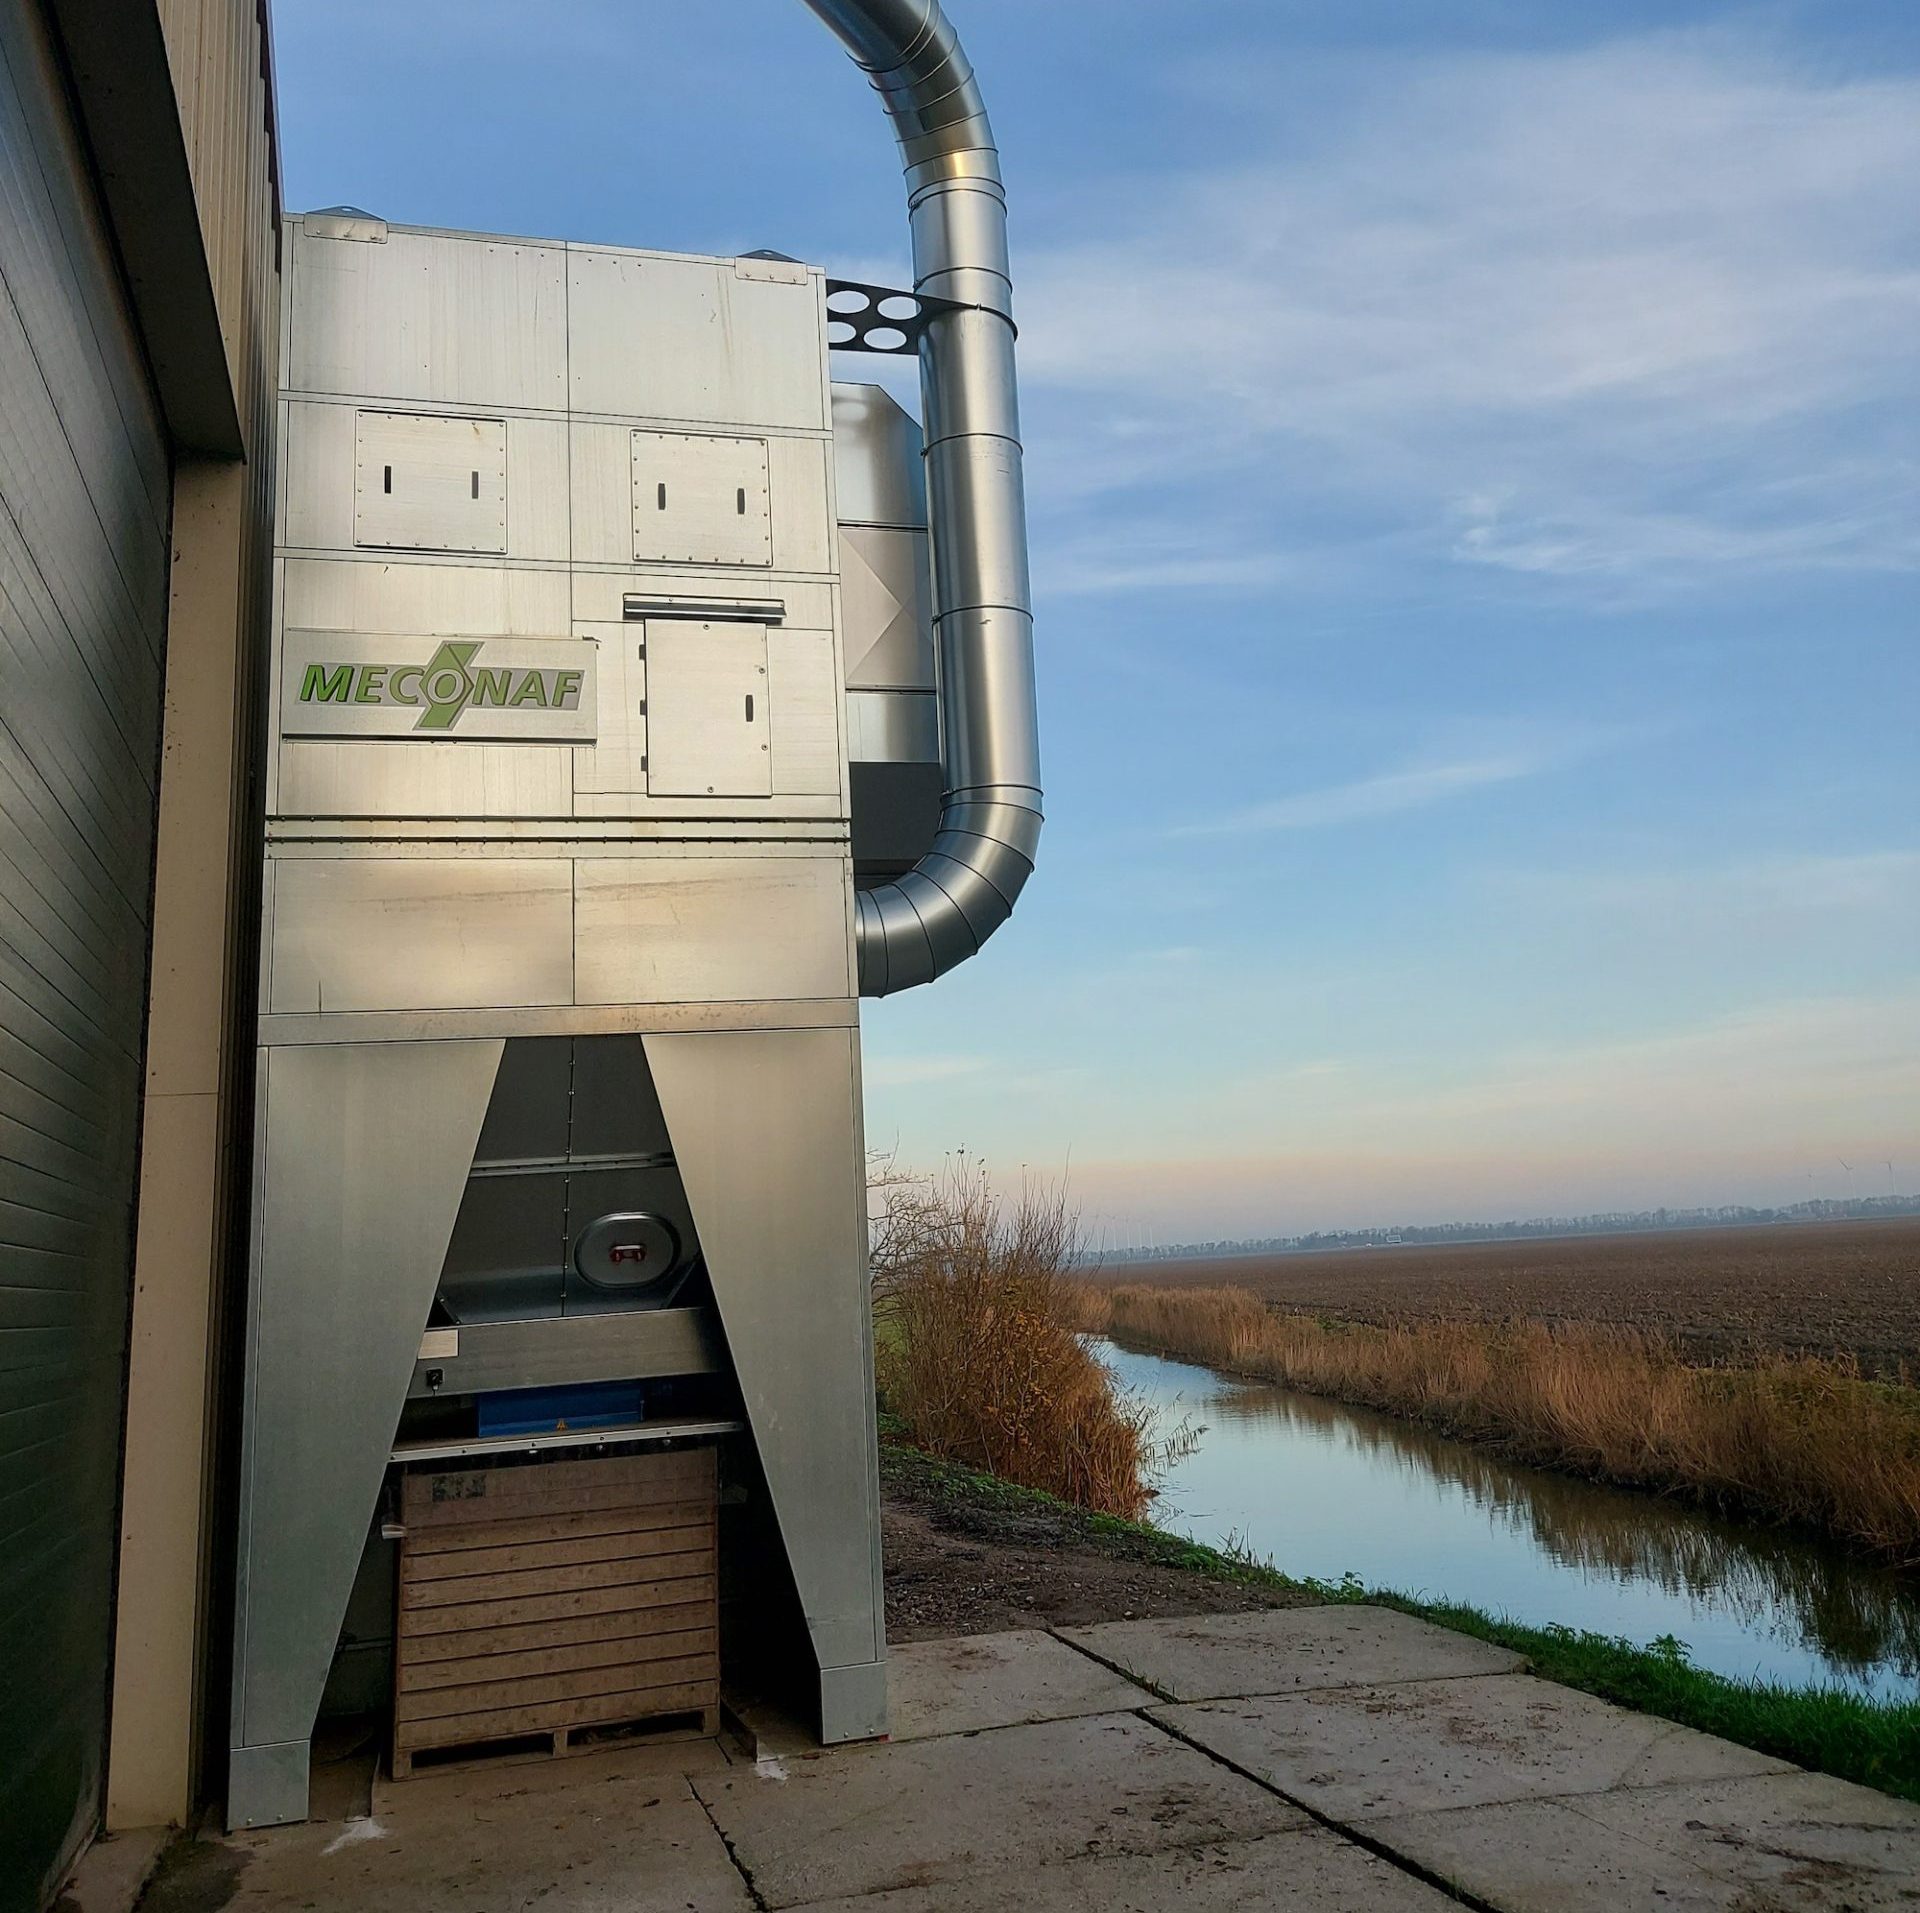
[541,1603]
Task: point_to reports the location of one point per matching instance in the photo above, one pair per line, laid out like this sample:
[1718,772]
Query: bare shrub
[977,1341]
[1794,1438]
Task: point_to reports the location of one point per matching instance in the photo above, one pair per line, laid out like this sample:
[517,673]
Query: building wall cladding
[139,281]
[190,1258]
[84,510]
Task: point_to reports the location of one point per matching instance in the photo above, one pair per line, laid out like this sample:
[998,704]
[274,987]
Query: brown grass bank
[976,1347]
[1793,1439]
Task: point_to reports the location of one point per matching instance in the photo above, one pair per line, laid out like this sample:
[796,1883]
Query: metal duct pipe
[964,888]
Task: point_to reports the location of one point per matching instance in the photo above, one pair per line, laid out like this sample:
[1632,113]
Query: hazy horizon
[1099,1240]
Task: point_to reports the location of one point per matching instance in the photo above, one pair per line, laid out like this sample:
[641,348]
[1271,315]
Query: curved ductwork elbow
[937,915]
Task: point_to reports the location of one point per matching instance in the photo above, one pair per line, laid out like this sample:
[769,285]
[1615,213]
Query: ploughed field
[1839,1289]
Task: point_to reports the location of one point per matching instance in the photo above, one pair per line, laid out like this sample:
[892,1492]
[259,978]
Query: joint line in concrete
[1354,1835]
[740,1866]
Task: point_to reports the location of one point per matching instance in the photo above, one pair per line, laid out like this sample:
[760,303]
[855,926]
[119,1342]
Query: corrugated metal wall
[84,500]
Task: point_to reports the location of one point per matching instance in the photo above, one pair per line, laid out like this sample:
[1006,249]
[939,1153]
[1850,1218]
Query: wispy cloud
[1094,568]
[1818,886]
[1416,786]
[1643,309]
[1380,796]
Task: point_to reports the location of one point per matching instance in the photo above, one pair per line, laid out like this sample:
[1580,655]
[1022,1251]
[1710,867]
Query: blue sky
[1476,508]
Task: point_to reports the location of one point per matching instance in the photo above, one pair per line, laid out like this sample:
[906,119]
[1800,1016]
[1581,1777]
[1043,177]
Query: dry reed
[1789,1438]
[976,1345]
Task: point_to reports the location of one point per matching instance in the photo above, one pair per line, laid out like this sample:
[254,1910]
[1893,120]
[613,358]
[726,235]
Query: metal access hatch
[701,499]
[708,729]
[429,484]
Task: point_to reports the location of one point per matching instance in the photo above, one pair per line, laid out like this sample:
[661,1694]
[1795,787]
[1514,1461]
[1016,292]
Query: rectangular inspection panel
[429,484]
[708,728]
[699,499]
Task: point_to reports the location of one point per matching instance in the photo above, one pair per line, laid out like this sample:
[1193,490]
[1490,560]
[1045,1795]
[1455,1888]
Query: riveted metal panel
[707,710]
[710,929]
[324,777]
[802,524]
[480,601]
[700,499]
[423,316]
[722,346]
[617,761]
[429,484]
[377,933]
[804,692]
[488,486]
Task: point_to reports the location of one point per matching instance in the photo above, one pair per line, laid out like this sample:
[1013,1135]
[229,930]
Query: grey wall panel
[787,1253]
[429,933]
[365,1160]
[709,929]
[380,318]
[728,339]
[84,498]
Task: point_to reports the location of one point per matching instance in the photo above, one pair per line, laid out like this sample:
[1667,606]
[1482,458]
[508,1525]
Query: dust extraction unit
[639,701]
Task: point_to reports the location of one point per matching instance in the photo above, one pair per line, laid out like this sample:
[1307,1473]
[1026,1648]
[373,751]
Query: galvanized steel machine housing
[612,646]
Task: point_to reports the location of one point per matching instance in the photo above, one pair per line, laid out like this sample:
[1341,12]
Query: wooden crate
[540,1601]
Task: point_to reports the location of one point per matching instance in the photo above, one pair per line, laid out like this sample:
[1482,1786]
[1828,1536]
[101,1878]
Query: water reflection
[1325,1489]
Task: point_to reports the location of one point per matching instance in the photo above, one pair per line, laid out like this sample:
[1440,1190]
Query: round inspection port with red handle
[630,1252]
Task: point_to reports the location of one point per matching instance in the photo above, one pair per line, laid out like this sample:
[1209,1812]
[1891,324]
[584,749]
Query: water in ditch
[1323,1489]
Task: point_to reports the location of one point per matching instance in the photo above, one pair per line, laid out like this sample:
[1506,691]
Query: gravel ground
[962,1559]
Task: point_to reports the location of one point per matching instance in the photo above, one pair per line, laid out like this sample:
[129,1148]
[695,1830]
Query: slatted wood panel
[548,1599]
[85,486]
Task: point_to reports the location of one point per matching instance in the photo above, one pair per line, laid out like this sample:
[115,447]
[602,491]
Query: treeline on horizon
[1615,1222]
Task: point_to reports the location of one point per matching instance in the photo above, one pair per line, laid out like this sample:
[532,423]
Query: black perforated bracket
[879,318]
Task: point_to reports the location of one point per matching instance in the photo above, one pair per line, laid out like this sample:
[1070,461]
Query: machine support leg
[364,1153]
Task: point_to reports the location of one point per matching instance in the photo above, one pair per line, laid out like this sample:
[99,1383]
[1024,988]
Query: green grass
[1874,1743]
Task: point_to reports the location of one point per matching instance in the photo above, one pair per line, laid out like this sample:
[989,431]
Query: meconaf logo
[449,683]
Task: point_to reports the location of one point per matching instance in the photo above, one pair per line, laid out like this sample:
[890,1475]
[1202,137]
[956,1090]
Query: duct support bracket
[860,316]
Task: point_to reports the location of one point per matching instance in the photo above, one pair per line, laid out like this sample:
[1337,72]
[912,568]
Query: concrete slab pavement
[606,1833]
[1356,1754]
[1005,1792]
[1798,1840]
[1308,1872]
[943,1812]
[1286,1650]
[976,1681]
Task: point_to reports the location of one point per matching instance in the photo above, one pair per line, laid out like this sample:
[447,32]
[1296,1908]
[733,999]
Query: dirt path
[958,1562]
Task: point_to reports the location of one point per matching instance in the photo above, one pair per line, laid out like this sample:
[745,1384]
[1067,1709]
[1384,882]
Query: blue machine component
[547,1411]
